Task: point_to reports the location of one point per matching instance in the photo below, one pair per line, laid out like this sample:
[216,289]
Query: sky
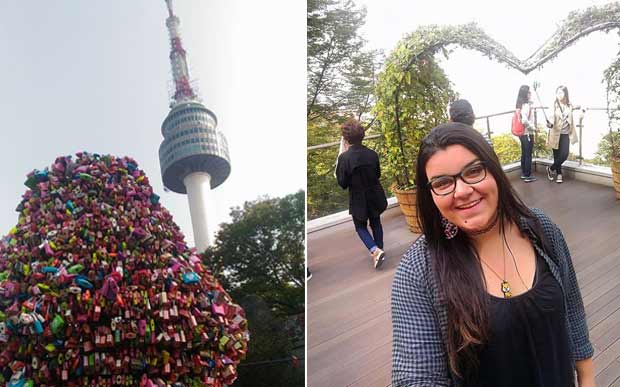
[521,27]
[94,76]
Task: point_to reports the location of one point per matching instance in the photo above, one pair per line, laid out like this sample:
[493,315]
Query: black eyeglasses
[446,184]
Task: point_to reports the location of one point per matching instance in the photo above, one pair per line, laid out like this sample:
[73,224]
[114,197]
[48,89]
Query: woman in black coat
[358,170]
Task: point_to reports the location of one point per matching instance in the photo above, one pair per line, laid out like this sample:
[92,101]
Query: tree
[341,73]
[361,76]
[259,255]
[609,148]
[324,194]
[261,252]
[412,95]
[341,82]
[269,361]
[333,43]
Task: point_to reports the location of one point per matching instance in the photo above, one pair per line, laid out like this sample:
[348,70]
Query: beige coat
[553,140]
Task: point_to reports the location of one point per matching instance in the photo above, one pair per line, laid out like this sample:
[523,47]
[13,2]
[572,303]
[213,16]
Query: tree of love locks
[98,287]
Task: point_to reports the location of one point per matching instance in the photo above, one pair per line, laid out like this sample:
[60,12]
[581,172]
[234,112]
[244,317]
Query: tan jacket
[553,140]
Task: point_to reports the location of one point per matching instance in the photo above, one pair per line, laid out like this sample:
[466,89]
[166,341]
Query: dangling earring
[449,229]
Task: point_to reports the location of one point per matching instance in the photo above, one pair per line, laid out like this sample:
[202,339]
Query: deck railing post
[580,142]
[580,126]
[535,131]
[489,129]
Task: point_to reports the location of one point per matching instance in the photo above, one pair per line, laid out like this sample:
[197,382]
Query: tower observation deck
[193,155]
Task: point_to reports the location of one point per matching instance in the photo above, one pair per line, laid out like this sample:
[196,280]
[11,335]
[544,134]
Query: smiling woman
[490,286]
[463,206]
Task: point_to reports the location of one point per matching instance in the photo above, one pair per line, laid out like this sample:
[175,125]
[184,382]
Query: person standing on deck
[461,111]
[524,104]
[358,170]
[561,131]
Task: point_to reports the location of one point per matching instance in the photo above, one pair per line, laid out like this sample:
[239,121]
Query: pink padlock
[110,288]
[48,249]
[142,327]
[34,290]
[218,309]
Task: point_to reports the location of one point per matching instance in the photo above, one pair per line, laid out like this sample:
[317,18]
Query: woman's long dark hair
[455,261]
[522,97]
[565,90]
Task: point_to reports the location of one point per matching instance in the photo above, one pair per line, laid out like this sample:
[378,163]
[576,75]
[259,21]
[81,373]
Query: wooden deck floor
[349,326]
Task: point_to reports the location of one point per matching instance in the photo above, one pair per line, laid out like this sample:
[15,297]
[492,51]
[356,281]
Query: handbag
[517,126]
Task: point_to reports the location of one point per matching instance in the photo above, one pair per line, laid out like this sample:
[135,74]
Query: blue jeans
[377,232]
[527,146]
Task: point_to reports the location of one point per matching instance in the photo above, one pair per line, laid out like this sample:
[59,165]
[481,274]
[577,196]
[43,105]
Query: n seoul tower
[194,154]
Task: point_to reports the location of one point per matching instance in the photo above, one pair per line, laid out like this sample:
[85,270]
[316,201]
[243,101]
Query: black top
[358,170]
[529,343]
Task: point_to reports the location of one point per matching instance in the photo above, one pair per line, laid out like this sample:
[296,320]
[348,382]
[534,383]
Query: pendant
[506,289]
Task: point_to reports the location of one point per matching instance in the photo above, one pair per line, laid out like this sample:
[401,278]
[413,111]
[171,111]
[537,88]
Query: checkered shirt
[420,319]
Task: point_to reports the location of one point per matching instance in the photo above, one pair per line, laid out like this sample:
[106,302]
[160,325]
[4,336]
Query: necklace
[517,267]
[487,228]
[505,286]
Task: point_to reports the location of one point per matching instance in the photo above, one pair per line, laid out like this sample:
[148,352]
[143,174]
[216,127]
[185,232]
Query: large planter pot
[615,173]
[407,201]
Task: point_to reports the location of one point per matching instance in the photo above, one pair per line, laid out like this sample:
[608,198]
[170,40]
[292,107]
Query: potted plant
[412,95]
[614,160]
[609,152]
[609,147]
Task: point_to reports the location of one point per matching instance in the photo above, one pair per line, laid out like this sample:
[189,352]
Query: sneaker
[523,177]
[559,179]
[378,256]
[550,173]
[530,179]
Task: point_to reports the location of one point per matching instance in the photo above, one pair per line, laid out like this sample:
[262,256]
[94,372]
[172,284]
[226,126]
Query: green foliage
[609,147]
[324,194]
[268,342]
[611,77]
[606,152]
[340,72]
[412,91]
[412,95]
[576,25]
[341,82]
[540,143]
[361,77]
[259,258]
[261,252]
[507,148]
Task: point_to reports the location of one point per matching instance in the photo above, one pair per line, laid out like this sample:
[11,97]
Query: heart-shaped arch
[429,39]
[412,57]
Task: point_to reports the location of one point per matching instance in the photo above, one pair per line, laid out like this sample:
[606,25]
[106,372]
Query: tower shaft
[198,185]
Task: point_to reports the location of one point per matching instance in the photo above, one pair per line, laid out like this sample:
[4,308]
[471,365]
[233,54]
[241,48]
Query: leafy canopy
[261,252]
[341,82]
[609,147]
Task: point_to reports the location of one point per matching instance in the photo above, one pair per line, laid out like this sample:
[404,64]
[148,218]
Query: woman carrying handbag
[524,114]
